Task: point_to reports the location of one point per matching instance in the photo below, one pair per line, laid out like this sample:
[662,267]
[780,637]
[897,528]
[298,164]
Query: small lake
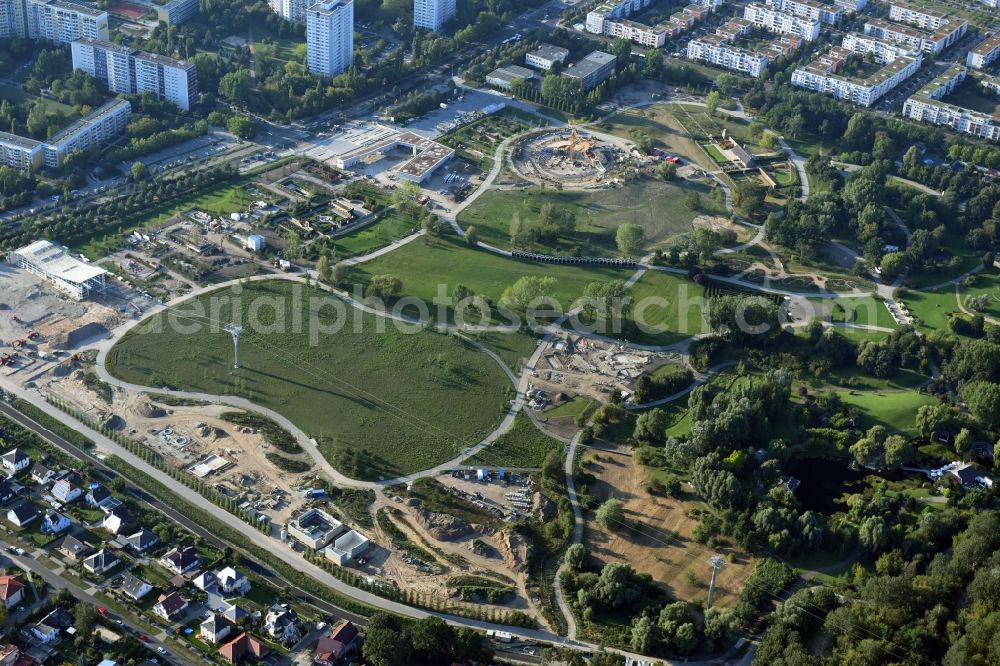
[825,480]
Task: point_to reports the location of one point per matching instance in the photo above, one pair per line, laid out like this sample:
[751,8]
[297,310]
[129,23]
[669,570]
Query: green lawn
[864,311]
[570,409]
[426,265]
[930,309]
[896,410]
[681,317]
[657,206]
[524,445]
[984,284]
[378,234]
[220,199]
[407,400]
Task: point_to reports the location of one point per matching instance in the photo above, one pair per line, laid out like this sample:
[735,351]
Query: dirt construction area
[663,545]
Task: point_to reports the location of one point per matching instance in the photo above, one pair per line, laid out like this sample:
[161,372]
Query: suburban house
[7,491]
[139,542]
[235,614]
[169,606]
[23,513]
[116,520]
[47,629]
[100,562]
[282,624]
[243,647]
[11,590]
[962,475]
[332,647]
[74,549]
[41,474]
[9,654]
[232,582]
[66,491]
[98,495]
[214,629]
[15,461]
[181,560]
[55,522]
[135,587]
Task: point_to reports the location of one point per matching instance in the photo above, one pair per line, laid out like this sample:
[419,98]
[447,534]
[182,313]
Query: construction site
[571,158]
[577,365]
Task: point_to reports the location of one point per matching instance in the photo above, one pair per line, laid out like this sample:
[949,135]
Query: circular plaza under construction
[569,157]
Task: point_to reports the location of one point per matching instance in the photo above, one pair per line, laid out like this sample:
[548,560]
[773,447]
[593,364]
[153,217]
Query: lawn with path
[896,410]
[408,400]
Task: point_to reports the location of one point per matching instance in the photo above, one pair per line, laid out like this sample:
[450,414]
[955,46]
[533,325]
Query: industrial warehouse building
[53,263]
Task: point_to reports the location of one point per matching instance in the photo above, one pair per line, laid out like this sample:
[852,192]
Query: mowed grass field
[862,311]
[931,309]
[988,285]
[378,234]
[657,206]
[670,307]
[896,410]
[409,400]
[425,265]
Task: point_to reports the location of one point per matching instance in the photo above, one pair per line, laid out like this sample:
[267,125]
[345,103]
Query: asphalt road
[178,517]
[29,563]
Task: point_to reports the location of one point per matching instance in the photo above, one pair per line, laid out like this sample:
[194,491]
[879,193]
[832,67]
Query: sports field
[408,400]
[658,207]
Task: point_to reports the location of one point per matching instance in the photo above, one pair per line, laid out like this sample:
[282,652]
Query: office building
[780,22]
[432,14]
[984,53]
[809,9]
[131,71]
[825,75]
[546,56]
[592,69]
[927,106]
[330,37]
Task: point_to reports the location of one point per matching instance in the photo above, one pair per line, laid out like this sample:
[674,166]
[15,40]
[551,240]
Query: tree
[666,171]
[384,286]
[339,273]
[606,300]
[433,638]
[323,268]
[651,426]
[983,400]
[472,236]
[241,126]
[385,642]
[630,239]
[963,441]
[139,172]
[611,514]
[712,101]
[236,86]
[642,635]
[576,557]
[892,266]
[291,245]
[528,290]
[748,196]
[84,618]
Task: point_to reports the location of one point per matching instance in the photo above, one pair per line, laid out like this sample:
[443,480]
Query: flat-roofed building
[314,528]
[100,127]
[594,68]
[882,50]
[927,106]
[781,22]
[21,152]
[505,76]
[130,71]
[918,38]
[825,75]
[546,56]
[984,53]
[330,37]
[810,9]
[54,264]
[432,14]
[62,22]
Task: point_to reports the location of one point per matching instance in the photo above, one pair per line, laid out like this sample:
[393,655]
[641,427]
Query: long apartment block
[99,128]
[927,30]
[58,21]
[130,71]
[984,53]
[882,50]
[927,105]
[777,21]
[810,9]
[825,75]
[719,50]
[610,19]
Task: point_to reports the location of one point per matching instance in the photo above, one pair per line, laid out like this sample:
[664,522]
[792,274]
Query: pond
[826,480]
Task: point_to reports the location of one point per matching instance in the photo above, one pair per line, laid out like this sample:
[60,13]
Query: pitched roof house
[243,647]
[11,590]
[169,606]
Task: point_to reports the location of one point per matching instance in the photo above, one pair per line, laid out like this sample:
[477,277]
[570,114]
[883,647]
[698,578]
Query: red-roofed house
[244,647]
[170,605]
[330,649]
[11,590]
